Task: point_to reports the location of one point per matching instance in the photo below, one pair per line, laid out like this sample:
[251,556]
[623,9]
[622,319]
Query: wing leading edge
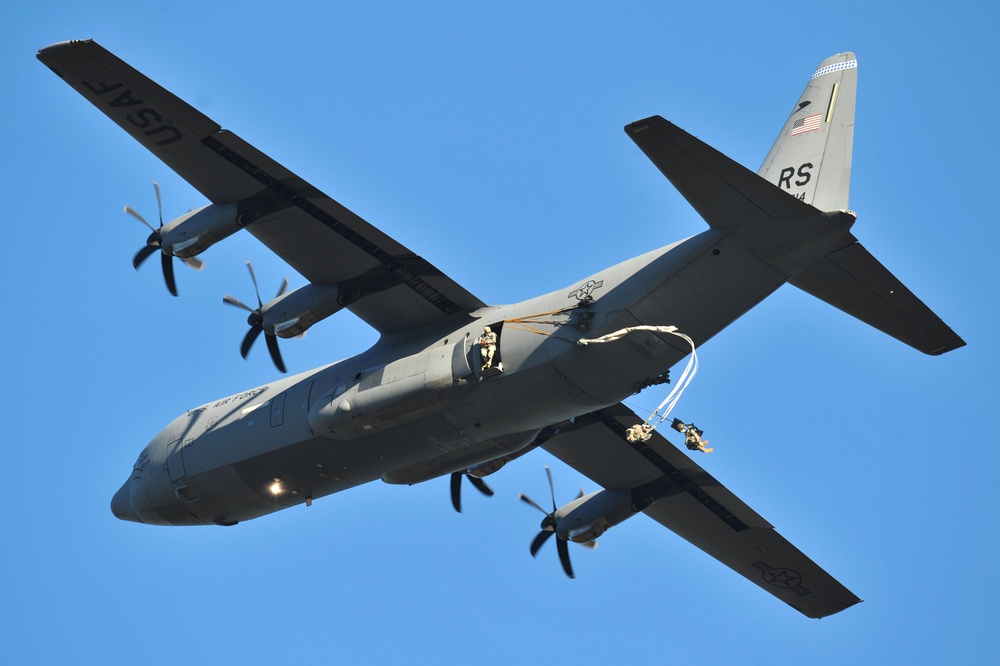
[315,235]
[699,509]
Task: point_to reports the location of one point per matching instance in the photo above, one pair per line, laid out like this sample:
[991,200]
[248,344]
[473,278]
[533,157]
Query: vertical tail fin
[810,163]
[811,158]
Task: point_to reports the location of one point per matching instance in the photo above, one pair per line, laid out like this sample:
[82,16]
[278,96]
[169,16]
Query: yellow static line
[526,323]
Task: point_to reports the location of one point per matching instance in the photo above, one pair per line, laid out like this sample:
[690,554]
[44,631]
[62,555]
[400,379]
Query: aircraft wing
[699,509]
[315,235]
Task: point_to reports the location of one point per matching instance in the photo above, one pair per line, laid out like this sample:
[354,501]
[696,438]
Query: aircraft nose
[121,503]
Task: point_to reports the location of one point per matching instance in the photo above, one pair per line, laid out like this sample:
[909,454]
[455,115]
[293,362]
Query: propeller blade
[272,346]
[194,262]
[248,341]
[142,255]
[537,542]
[480,485]
[527,500]
[549,527]
[253,278]
[552,488]
[232,300]
[159,201]
[456,490]
[256,320]
[168,273]
[131,211]
[155,241]
[563,547]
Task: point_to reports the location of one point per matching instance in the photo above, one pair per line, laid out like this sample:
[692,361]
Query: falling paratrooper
[692,436]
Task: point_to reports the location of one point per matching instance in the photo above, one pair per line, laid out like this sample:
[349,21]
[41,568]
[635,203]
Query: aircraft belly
[232,478]
[277,479]
[502,416]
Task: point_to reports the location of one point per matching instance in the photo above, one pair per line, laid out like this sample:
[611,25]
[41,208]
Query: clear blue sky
[440,125]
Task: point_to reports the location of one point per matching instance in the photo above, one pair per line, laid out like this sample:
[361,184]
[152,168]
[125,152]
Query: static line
[683,382]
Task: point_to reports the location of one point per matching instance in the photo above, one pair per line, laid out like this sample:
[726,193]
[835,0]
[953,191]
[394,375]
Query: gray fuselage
[412,409]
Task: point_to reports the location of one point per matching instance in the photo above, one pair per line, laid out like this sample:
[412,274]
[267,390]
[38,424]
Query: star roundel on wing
[782,577]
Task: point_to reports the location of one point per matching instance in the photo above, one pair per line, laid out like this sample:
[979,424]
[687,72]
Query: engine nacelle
[588,517]
[194,232]
[293,313]
[394,394]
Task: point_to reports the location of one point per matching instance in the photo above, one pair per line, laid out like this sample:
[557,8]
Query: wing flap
[701,510]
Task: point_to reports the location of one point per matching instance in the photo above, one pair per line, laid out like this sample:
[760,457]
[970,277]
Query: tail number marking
[785,179]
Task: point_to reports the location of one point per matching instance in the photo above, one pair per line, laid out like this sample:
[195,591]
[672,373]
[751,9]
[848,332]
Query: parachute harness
[643,431]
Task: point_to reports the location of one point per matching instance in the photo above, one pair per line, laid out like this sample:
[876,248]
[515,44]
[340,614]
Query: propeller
[549,528]
[155,242]
[456,488]
[256,321]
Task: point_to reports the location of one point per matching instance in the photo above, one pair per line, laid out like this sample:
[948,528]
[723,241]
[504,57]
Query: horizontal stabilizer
[724,192]
[854,281]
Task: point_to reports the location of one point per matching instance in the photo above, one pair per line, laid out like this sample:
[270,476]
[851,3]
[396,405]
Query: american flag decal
[807,124]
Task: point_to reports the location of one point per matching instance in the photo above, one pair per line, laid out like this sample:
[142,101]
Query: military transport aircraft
[437,394]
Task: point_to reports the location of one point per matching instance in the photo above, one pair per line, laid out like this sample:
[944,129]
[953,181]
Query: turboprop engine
[288,315]
[293,313]
[587,517]
[189,235]
[194,232]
